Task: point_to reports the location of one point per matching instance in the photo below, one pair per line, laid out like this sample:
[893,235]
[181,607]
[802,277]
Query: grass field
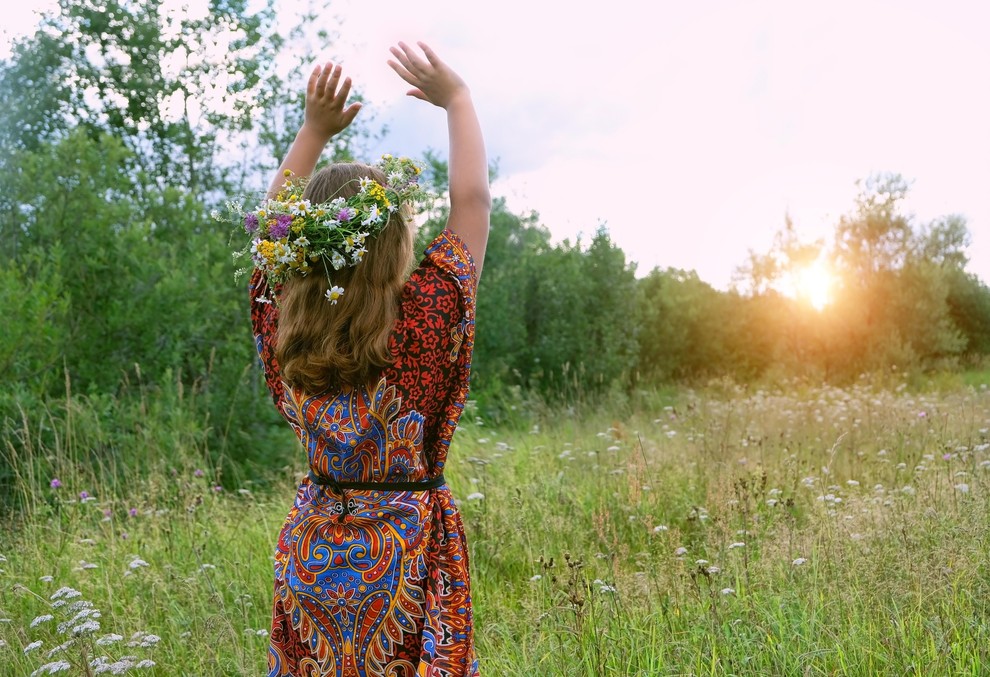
[729,531]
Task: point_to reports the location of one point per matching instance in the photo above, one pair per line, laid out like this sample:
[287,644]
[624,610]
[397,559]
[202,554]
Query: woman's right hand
[432,79]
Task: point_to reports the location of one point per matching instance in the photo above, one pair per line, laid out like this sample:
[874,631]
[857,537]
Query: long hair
[323,345]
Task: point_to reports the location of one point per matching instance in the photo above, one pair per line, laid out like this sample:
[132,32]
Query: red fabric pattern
[375,583]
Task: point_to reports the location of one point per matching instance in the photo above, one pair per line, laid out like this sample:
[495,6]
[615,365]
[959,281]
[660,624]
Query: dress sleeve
[264,324]
[449,253]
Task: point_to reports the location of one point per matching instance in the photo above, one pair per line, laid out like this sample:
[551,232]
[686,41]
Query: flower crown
[289,233]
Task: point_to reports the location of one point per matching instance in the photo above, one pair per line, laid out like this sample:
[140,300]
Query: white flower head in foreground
[334,293]
[41,619]
[799,561]
[476,496]
[52,668]
[32,646]
[108,639]
[67,593]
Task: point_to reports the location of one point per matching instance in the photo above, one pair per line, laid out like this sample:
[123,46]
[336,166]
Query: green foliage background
[115,144]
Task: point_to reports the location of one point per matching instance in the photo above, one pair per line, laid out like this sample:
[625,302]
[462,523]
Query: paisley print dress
[375,583]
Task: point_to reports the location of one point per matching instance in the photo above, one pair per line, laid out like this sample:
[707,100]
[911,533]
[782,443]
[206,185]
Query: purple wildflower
[56,483]
[345,214]
[281,227]
[123,535]
[84,495]
[218,488]
[132,512]
[946,457]
[251,223]
[107,512]
[197,472]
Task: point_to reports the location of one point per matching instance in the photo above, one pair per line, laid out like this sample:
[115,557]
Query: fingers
[403,73]
[350,113]
[431,56]
[313,77]
[409,58]
[326,85]
[344,92]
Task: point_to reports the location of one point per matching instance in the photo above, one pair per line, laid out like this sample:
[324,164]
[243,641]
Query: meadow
[729,530]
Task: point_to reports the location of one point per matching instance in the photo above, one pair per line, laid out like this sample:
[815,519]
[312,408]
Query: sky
[690,129]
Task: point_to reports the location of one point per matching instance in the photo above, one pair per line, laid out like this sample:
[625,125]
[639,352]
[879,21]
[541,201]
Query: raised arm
[325,116]
[470,198]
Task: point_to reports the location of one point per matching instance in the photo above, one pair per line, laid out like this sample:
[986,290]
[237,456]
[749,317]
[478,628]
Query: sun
[813,283]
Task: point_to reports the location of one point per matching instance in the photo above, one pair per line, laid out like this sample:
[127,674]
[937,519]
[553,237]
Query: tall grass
[730,531]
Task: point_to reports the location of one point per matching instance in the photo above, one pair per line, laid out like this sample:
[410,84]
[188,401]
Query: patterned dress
[375,583]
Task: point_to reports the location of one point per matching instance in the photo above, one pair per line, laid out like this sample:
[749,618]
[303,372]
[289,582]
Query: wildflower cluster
[74,623]
[289,233]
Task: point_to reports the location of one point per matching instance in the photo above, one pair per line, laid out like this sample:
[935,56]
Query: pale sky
[689,129]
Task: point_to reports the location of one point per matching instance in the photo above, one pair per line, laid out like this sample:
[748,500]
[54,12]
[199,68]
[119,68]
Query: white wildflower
[46,579]
[534,579]
[108,639]
[799,561]
[659,528]
[680,552]
[32,646]
[61,647]
[86,627]
[738,544]
[334,293]
[603,587]
[137,562]
[728,591]
[476,496]
[67,593]
[41,619]
[52,668]
[712,570]
[962,488]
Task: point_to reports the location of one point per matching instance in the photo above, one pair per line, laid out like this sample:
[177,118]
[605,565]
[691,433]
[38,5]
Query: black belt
[378,486]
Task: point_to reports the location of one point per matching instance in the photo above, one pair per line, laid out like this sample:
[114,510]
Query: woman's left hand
[325,113]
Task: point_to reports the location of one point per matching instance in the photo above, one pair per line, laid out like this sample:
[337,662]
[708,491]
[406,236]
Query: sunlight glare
[814,284]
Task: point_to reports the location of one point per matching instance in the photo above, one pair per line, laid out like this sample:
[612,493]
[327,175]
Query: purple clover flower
[197,473]
[107,513]
[84,495]
[218,488]
[281,227]
[56,483]
[251,223]
[345,214]
[132,512]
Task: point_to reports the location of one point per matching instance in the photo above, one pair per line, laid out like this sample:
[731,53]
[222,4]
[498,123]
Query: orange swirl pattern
[375,583]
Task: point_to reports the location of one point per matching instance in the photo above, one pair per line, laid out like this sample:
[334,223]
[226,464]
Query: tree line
[116,142]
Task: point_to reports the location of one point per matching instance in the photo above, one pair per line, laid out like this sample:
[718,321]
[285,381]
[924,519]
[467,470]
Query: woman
[371,369]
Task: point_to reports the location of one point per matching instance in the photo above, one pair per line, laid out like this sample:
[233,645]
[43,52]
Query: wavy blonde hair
[323,346]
